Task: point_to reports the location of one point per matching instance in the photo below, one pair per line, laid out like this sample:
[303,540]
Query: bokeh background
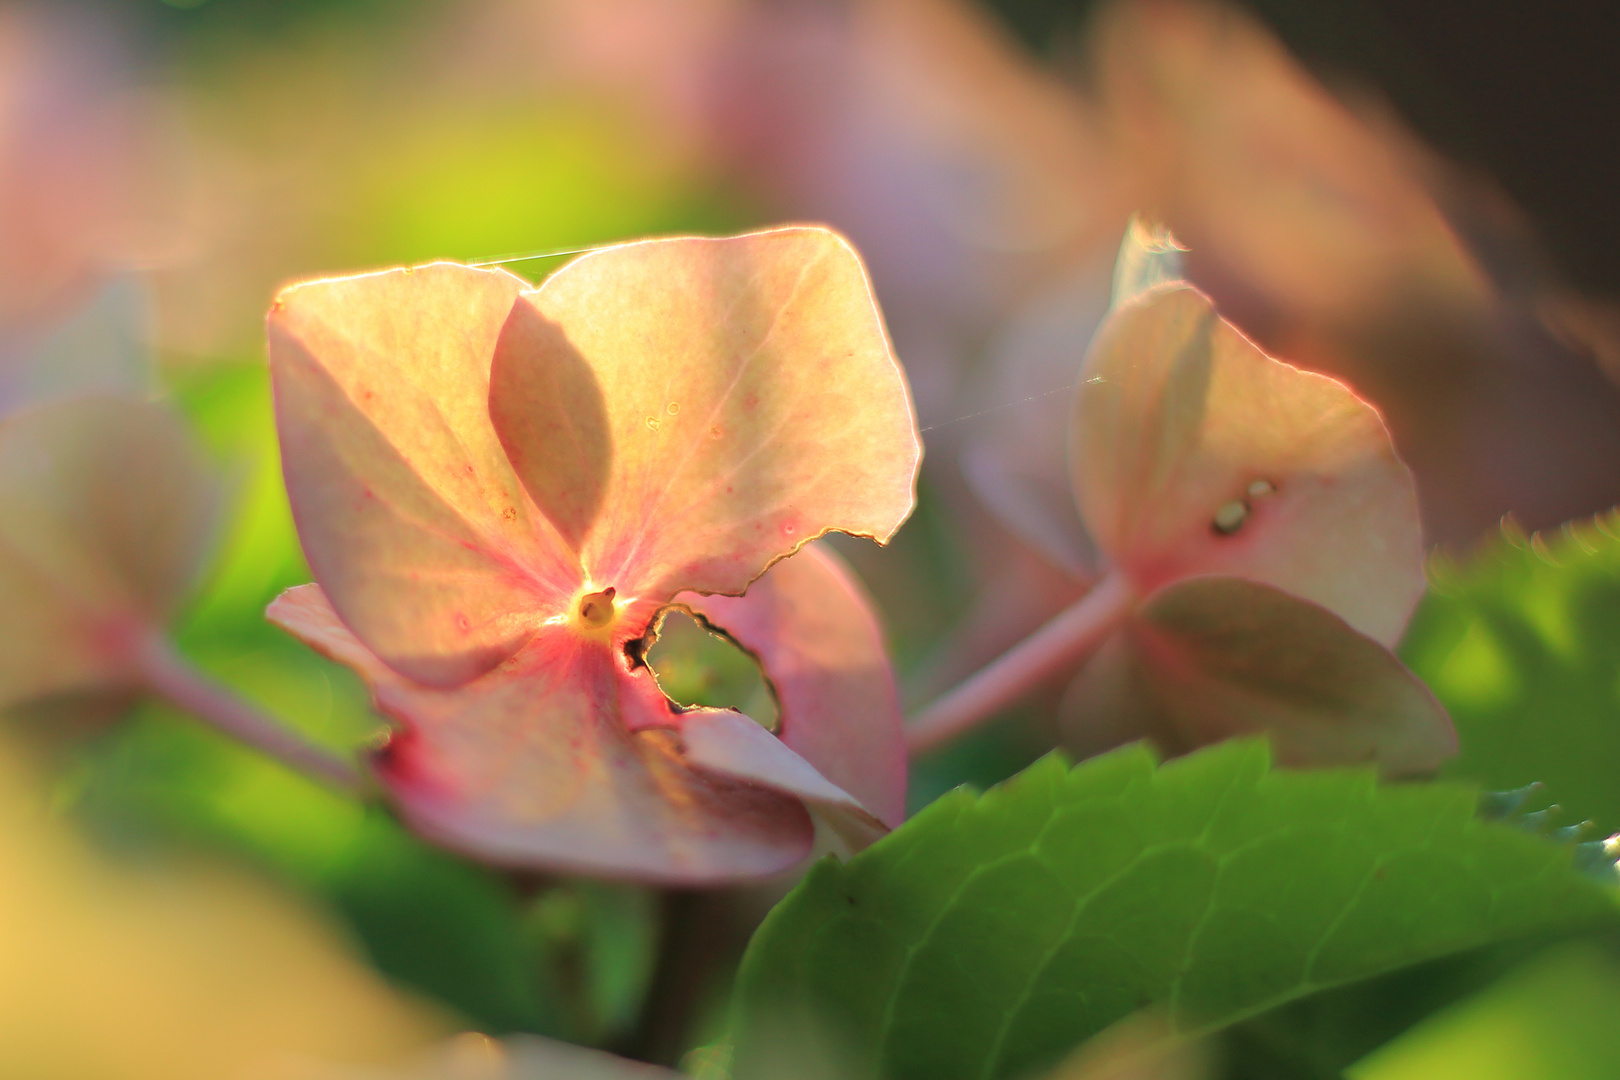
[1413,197]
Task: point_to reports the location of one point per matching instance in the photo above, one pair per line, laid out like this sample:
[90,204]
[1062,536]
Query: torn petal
[535,765]
[1193,452]
[1210,658]
[812,629]
[406,505]
[690,410]
[105,513]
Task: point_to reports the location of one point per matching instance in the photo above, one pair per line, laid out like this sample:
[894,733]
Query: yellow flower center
[596,609]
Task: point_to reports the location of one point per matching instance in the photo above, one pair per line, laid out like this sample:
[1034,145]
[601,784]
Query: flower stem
[1069,635]
[172,678]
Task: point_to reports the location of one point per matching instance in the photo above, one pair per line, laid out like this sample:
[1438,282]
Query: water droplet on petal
[674,407]
[1259,489]
[653,423]
[1229,517]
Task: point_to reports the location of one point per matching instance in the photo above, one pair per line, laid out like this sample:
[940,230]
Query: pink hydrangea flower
[501,488]
[1262,548]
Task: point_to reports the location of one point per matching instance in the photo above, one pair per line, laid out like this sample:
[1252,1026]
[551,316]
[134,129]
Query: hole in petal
[695,665]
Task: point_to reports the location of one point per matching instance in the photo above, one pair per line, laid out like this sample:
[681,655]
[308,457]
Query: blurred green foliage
[1319,1036]
[922,581]
[1553,1018]
[491,185]
[1521,642]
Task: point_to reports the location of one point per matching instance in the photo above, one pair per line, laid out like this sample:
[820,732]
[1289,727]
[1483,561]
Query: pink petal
[690,410]
[818,643]
[105,514]
[1209,658]
[406,505]
[730,744]
[534,764]
[1181,420]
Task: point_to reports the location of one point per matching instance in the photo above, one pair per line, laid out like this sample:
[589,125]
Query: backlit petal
[690,410]
[811,627]
[406,505]
[534,764]
[1195,453]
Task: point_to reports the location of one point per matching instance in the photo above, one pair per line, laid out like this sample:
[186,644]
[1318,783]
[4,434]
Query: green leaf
[1521,643]
[993,933]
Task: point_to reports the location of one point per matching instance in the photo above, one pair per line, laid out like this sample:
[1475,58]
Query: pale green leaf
[1521,643]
